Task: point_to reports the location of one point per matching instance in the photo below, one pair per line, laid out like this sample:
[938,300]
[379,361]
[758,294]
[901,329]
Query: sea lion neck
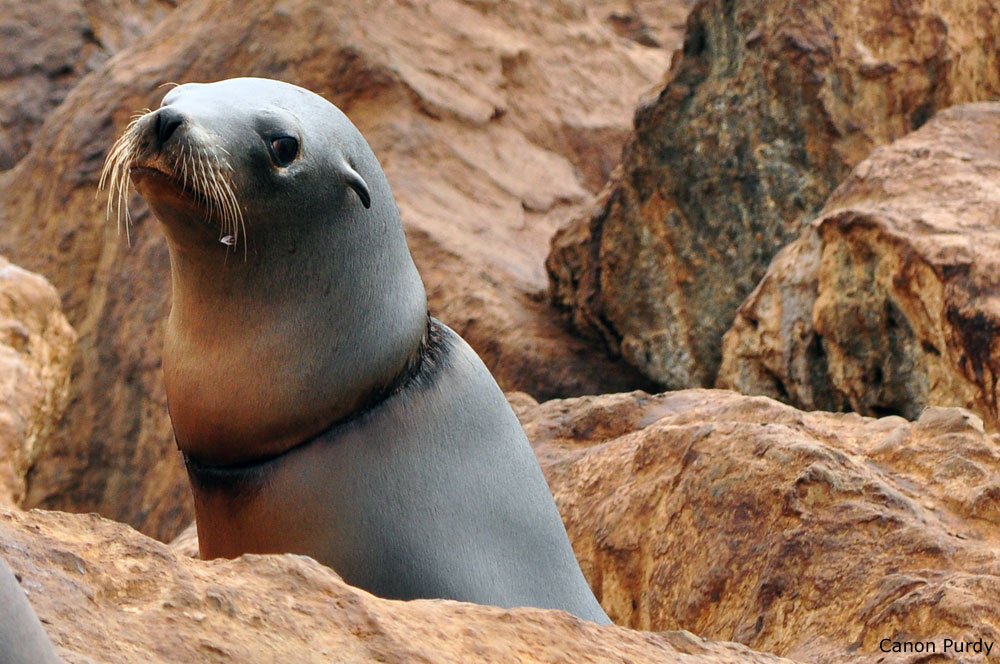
[264,352]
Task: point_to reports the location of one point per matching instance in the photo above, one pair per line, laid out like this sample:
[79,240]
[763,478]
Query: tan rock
[810,535]
[106,593]
[766,109]
[647,22]
[36,353]
[48,46]
[494,121]
[186,542]
[890,302]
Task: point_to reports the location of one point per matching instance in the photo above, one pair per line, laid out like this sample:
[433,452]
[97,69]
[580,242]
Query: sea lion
[319,408]
[22,638]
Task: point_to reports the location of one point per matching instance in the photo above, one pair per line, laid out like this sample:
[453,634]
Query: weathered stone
[890,301]
[810,535]
[766,109]
[48,46]
[494,122]
[95,583]
[647,22]
[36,351]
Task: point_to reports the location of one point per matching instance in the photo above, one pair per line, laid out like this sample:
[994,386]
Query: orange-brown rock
[767,108]
[494,122]
[890,301]
[36,350]
[48,46]
[106,593]
[810,535]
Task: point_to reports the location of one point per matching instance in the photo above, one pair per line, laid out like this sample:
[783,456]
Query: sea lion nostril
[166,122]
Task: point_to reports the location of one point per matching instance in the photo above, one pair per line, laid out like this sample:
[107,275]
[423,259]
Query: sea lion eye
[284,149]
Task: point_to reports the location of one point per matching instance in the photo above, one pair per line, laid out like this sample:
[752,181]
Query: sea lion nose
[165,123]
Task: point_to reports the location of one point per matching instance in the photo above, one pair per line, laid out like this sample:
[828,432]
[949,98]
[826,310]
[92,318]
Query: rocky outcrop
[48,46]
[494,121]
[810,535]
[820,537]
[890,301]
[767,108]
[36,351]
[94,582]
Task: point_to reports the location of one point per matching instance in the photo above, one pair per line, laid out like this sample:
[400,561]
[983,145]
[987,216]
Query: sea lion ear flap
[358,184]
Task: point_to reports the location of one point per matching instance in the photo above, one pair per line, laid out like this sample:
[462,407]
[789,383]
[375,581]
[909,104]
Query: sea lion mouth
[139,174]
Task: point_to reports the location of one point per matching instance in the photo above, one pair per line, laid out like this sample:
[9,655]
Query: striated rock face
[94,582]
[767,108]
[810,535]
[494,121]
[890,301]
[36,350]
[48,46]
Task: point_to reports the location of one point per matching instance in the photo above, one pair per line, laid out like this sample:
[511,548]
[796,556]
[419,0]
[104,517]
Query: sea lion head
[320,312]
[224,160]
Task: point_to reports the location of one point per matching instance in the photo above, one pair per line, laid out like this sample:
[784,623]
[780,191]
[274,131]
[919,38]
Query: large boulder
[816,536]
[105,593]
[767,108]
[36,353]
[494,121]
[890,301]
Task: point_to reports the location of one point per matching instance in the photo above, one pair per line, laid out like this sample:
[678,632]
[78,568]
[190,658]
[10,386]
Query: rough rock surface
[48,46]
[106,593]
[36,350]
[767,108]
[890,301]
[810,535]
[647,22]
[494,122]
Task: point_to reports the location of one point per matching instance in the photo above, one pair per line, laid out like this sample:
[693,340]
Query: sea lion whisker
[207,189]
[234,207]
[174,165]
[222,193]
[217,192]
[184,170]
[201,182]
[224,212]
[115,173]
[191,164]
[213,188]
[236,213]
